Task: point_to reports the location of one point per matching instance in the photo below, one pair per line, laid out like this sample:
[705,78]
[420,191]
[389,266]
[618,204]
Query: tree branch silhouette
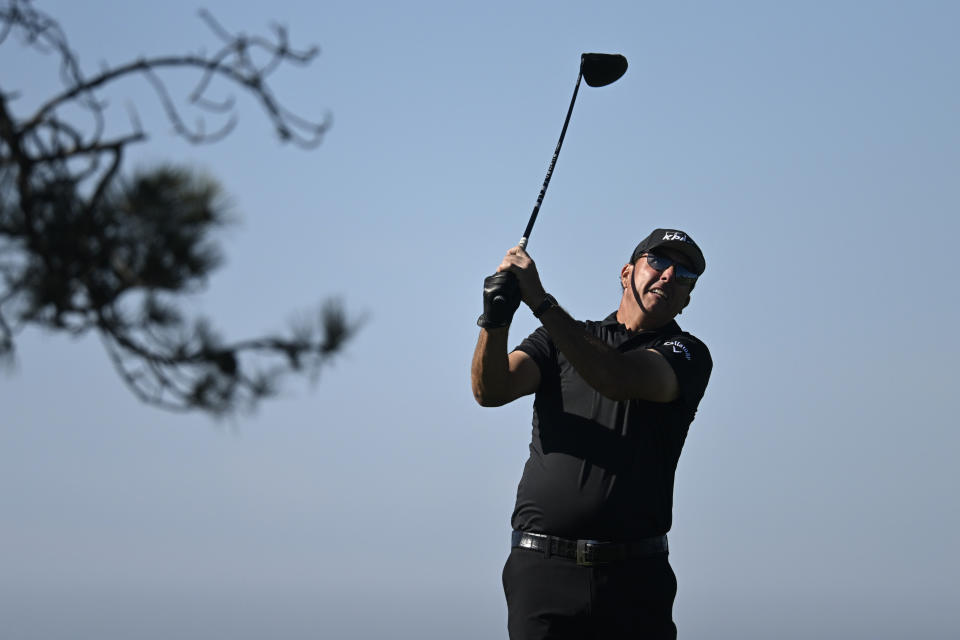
[87,249]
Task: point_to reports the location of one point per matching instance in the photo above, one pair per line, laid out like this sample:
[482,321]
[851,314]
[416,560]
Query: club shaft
[553,163]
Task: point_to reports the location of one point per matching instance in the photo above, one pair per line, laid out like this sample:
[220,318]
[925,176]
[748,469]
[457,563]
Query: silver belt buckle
[582,553]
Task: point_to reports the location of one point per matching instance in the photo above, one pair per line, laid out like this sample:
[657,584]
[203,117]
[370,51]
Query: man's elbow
[486,399]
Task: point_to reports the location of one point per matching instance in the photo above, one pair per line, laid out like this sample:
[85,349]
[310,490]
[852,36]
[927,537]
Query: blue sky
[811,148]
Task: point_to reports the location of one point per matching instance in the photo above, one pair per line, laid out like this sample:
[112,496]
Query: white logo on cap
[673,235]
[678,348]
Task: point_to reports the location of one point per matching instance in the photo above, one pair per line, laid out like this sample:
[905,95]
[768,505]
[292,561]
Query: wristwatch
[549,302]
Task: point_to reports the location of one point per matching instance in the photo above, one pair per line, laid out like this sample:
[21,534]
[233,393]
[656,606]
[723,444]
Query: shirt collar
[611,321]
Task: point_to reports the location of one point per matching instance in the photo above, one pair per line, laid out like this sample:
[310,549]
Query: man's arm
[498,377]
[643,374]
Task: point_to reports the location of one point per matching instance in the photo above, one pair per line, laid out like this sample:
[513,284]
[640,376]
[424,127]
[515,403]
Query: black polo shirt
[599,468]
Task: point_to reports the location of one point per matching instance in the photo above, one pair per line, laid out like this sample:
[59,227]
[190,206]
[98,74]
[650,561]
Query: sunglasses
[659,263]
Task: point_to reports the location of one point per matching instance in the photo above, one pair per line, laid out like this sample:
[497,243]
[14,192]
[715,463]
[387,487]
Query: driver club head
[601,69]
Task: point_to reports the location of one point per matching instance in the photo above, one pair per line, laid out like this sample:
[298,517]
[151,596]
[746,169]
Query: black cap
[673,239]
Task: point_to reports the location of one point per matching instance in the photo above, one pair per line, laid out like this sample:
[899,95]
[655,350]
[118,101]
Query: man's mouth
[660,293]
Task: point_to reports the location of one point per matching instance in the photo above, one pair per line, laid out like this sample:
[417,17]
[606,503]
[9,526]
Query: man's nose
[669,273]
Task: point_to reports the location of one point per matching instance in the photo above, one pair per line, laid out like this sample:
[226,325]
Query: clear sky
[811,148]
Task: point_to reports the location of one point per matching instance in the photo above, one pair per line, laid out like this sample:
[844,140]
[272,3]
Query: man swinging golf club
[614,400]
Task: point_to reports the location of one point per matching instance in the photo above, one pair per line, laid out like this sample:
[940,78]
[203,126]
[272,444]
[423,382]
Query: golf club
[598,69]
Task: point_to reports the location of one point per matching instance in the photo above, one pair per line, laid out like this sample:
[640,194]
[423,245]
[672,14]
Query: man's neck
[635,319]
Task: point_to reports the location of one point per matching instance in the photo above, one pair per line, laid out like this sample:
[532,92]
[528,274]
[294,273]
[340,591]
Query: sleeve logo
[679,348]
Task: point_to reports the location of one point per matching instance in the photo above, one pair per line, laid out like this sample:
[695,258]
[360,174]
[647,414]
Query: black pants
[555,598]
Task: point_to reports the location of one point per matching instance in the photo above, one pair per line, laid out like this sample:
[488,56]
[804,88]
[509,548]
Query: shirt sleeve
[541,349]
[691,363]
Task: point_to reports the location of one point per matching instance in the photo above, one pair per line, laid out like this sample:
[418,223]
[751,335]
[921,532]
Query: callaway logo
[673,235]
[679,348]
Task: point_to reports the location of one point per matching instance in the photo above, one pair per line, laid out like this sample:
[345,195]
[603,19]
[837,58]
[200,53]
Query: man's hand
[501,297]
[519,263]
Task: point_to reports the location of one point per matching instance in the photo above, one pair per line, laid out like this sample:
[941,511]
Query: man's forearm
[597,363]
[604,368]
[490,369]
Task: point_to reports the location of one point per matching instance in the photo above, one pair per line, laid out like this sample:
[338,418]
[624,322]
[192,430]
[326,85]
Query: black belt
[589,552]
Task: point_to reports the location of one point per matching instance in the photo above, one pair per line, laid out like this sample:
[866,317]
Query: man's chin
[658,309]
[653,301]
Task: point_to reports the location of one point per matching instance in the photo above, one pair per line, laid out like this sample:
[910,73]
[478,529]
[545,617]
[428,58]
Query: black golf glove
[501,298]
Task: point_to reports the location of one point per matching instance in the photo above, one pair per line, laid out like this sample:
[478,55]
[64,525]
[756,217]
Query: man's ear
[685,303]
[625,274]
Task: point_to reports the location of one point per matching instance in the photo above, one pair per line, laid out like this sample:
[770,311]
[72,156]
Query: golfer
[613,403]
